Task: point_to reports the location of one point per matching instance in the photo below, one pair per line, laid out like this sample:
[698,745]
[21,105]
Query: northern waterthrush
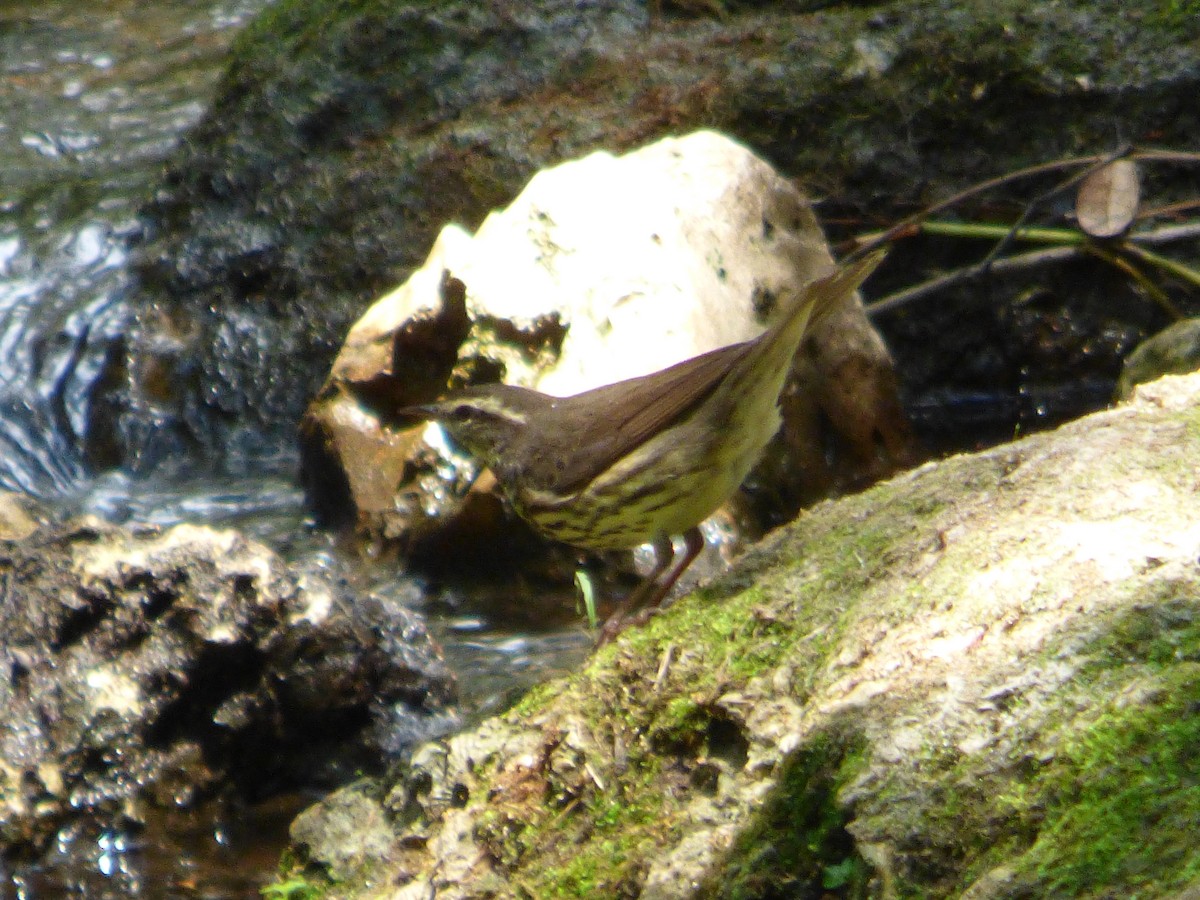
[643,460]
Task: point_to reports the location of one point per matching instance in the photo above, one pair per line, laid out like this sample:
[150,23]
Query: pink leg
[650,593]
[693,543]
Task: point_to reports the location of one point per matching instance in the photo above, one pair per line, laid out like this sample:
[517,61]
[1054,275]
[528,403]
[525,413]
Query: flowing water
[94,95]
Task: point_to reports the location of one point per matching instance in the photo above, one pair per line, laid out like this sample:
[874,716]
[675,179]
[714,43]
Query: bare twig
[865,245]
[1156,293]
[909,224]
[1171,209]
[1178,156]
[1166,234]
[1017,263]
[1072,242]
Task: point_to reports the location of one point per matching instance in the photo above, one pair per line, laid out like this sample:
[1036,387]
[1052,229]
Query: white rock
[649,258]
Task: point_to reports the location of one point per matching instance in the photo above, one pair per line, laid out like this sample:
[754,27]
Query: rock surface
[1173,351]
[978,679]
[602,269]
[168,668]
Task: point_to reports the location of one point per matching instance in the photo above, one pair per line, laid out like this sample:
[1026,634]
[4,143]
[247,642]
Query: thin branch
[909,224]
[1167,234]
[1017,263]
[1179,156]
[1170,209]
[864,245]
[1128,268]
[1072,243]
[1176,268]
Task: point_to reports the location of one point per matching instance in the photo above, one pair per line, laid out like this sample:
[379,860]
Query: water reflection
[267,507]
[503,666]
[57,319]
[205,852]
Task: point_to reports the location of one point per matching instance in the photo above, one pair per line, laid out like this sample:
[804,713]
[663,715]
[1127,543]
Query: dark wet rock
[345,135]
[170,667]
[978,679]
[1173,351]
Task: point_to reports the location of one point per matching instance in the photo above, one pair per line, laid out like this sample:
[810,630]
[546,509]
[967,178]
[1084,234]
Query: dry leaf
[1108,199]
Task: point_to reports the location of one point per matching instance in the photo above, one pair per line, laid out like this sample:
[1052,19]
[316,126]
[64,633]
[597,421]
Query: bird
[647,459]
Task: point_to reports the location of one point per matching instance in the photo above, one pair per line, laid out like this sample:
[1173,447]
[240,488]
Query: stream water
[94,95]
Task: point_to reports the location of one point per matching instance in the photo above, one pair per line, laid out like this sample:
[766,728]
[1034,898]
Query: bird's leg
[664,553]
[647,593]
[693,543]
[650,593]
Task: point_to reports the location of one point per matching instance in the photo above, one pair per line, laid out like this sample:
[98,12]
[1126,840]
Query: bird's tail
[815,301]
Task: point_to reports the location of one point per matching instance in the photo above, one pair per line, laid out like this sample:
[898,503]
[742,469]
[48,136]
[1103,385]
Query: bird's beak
[410,416]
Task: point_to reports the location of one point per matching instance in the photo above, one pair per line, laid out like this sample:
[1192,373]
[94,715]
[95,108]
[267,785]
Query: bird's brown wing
[636,409]
[617,418]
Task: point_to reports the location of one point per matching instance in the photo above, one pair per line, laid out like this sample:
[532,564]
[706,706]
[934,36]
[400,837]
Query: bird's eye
[460,413]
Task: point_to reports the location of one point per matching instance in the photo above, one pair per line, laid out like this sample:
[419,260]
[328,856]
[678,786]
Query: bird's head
[486,420]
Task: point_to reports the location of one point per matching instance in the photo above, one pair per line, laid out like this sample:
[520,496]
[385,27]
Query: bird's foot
[619,621]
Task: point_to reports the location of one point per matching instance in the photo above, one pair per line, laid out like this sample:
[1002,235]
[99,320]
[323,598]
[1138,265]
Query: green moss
[1100,805]
[681,724]
[1175,15]
[503,836]
[292,889]
[742,635]
[798,844]
[1162,630]
[295,26]
[1123,797]
[589,832]
[537,698]
[589,874]
[295,881]
[624,826]
[1118,803]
